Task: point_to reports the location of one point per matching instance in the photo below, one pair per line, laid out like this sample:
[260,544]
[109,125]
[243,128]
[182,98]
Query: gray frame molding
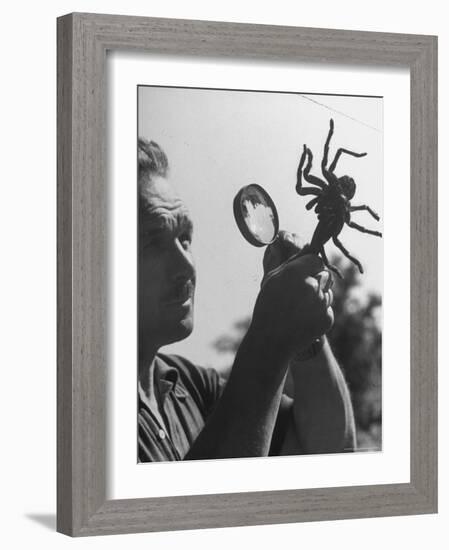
[83,40]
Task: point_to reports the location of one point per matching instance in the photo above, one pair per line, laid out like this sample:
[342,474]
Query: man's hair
[152,161]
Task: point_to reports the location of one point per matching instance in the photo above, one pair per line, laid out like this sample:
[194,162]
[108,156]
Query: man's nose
[182,263]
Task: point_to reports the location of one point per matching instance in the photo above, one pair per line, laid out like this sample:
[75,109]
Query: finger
[290,242]
[272,256]
[323,280]
[282,249]
[330,318]
[329,297]
[297,240]
[290,237]
[331,281]
[310,264]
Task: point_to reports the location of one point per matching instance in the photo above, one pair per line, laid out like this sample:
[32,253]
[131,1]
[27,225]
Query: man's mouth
[181,293]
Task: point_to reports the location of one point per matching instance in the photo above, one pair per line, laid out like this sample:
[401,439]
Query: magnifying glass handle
[303,252]
[276,270]
[306,250]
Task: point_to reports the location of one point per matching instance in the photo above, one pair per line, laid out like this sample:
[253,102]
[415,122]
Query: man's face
[166,267]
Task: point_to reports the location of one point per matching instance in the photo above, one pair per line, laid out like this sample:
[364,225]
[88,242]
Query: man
[184,411]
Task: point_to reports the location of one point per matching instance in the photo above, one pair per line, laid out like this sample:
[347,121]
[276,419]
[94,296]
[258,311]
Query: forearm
[323,415]
[243,421]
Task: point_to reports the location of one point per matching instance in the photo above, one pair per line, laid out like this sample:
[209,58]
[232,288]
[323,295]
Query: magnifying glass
[258,221]
[256,215]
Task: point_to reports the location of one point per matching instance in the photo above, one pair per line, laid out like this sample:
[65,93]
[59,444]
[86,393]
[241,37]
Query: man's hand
[293,306]
[286,245]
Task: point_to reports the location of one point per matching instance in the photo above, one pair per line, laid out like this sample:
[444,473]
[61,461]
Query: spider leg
[326,151]
[365,207]
[299,188]
[303,191]
[363,229]
[329,265]
[308,176]
[339,245]
[303,158]
[312,203]
[300,167]
[338,154]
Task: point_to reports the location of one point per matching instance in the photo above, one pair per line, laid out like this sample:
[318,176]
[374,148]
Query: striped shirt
[187,396]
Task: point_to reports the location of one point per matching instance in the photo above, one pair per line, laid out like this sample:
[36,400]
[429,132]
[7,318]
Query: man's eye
[153,242]
[185,239]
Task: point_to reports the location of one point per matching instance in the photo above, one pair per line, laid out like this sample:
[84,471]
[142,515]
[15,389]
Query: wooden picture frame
[83,40]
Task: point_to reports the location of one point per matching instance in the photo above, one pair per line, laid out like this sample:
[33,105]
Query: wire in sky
[339,112]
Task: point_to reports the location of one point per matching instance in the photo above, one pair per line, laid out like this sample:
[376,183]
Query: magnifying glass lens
[256,215]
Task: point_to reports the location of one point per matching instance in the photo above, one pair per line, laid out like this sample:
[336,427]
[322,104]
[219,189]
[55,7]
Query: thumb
[306,262]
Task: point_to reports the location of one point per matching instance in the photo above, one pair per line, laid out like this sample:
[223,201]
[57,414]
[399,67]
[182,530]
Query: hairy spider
[332,202]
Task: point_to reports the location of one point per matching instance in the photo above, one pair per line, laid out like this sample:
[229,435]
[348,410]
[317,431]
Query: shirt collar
[165,377]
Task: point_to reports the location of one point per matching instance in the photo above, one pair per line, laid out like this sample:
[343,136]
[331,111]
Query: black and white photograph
[260,273]
[220,286]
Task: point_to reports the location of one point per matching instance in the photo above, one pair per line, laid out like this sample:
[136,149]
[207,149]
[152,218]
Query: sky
[218,141]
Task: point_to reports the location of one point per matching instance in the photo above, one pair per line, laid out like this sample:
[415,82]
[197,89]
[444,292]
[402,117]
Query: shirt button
[161,434]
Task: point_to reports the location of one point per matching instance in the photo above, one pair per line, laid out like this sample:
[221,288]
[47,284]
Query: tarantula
[332,202]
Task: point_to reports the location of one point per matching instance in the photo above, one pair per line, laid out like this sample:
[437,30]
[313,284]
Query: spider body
[331,210]
[332,201]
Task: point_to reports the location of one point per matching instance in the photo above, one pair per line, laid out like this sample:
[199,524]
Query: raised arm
[323,418]
[289,313]
[243,421]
